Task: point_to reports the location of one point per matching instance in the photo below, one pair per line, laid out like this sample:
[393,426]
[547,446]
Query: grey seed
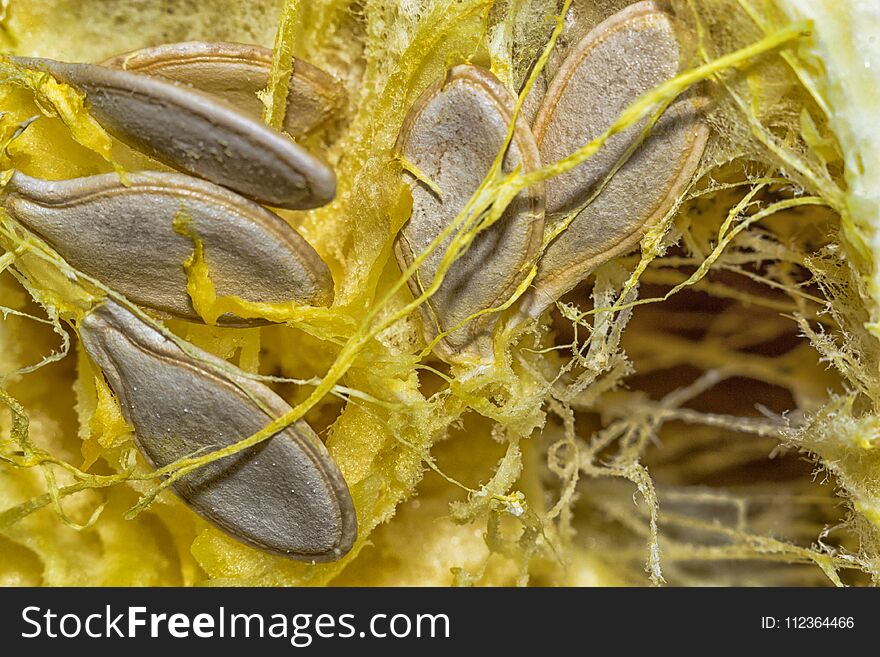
[198,133]
[179,406]
[124,237]
[452,134]
[236,72]
[623,57]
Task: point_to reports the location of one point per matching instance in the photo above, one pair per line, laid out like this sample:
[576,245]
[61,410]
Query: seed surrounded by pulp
[199,134]
[124,236]
[622,58]
[285,495]
[453,134]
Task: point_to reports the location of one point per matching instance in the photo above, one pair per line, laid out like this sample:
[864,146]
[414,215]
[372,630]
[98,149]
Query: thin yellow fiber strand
[274,97]
[434,318]
[419,175]
[53,357]
[672,277]
[55,497]
[9,132]
[63,101]
[33,456]
[21,511]
[538,68]
[52,320]
[568,472]
[505,193]
[17,313]
[514,296]
[426,457]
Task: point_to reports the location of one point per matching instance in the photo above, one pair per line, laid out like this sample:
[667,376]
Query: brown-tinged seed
[198,133]
[285,495]
[452,135]
[124,236]
[623,57]
[236,72]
